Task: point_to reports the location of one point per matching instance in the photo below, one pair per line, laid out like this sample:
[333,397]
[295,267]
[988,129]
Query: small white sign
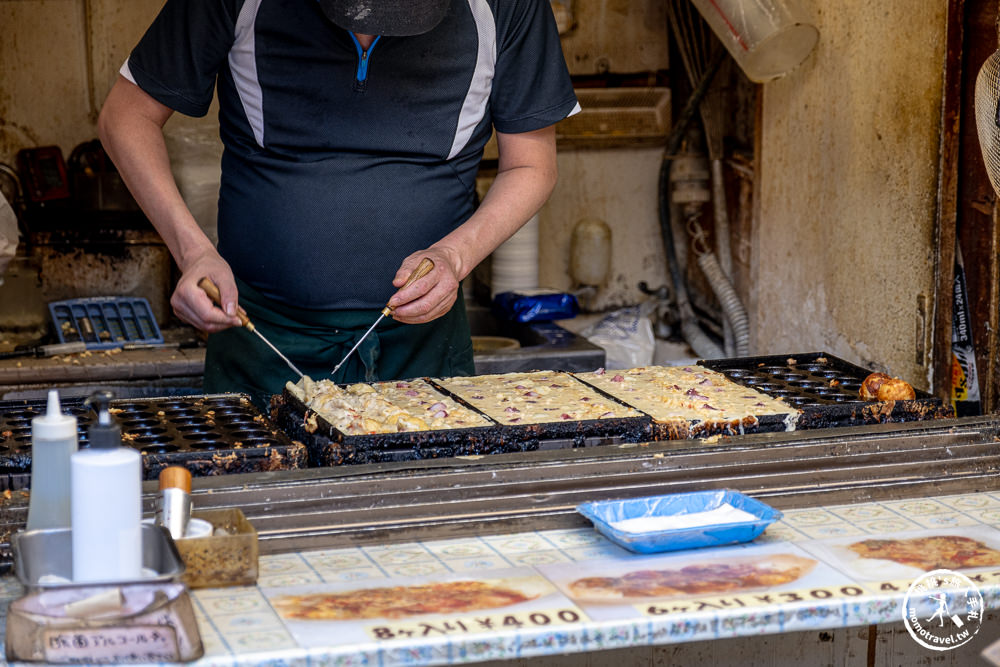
[155,643]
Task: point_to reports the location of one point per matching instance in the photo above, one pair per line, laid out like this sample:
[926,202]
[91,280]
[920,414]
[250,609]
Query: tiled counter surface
[242,626]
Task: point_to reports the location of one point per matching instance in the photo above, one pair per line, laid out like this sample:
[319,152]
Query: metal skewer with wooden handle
[423,268]
[212,290]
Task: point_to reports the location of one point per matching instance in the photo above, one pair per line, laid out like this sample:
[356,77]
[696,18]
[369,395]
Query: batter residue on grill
[534,398]
[384,407]
[691,393]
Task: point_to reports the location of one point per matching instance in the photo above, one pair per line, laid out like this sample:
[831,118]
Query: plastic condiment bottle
[106,482]
[53,441]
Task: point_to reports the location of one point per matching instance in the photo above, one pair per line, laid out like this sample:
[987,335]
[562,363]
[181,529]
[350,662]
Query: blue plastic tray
[604,513]
[105,322]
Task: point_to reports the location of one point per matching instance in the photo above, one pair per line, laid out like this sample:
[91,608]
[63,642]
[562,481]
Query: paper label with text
[138,643]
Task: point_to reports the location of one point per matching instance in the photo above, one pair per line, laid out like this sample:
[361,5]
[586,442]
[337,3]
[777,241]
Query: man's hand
[433,295]
[192,304]
[526,174]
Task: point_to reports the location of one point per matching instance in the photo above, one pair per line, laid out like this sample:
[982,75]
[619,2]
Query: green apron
[238,361]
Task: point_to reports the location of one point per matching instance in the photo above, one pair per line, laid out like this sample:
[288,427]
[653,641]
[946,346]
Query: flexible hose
[720,212]
[732,308]
[700,342]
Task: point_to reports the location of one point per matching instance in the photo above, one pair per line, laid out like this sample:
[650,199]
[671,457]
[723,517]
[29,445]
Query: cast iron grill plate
[626,429]
[684,429]
[825,389]
[328,446]
[209,435]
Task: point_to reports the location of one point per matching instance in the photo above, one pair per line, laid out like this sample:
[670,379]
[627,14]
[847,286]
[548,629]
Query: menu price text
[525,620]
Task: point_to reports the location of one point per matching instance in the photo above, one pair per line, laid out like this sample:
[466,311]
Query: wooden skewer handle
[423,268]
[175,477]
[212,290]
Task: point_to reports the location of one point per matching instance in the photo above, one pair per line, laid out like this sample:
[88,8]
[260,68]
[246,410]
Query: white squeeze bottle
[53,441]
[107,503]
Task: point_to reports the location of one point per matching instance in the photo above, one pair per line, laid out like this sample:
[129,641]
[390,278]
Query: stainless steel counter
[504,493]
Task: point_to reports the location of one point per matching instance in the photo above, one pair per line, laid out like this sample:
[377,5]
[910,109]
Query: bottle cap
[105,433]
[53,425]
[175,477]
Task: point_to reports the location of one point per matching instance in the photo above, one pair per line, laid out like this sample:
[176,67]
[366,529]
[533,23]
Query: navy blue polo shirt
[340,162]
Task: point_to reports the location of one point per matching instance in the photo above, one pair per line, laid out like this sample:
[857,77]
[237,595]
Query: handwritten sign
[749,600]
[115,644]
[478,624]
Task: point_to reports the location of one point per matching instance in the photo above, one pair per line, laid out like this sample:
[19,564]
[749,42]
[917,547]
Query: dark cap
[105,433]
[386,17]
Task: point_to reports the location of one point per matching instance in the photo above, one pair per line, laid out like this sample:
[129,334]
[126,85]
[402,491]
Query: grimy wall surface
[843,247]
[58,59]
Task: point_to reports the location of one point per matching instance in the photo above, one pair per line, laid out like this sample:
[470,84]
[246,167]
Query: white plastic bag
[626,336]
[8,235]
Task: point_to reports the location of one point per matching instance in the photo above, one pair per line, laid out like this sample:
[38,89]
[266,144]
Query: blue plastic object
[604,513]
[105,322]
[542,307]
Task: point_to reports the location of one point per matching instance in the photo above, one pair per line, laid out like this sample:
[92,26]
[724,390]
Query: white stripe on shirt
[474,106]
[243,64]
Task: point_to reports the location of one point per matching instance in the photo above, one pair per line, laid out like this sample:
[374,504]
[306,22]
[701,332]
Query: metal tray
[683,429]
[105,322]
[328,446]
[49,552]
[579,432]
[825,389]
[209,435]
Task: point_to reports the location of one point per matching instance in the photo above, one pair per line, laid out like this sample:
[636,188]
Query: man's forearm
[525,179]
[130,128]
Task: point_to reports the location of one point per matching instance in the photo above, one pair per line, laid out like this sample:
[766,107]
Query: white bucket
[767,38]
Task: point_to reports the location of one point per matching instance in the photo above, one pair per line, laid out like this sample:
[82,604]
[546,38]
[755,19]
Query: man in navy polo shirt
[353,130]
